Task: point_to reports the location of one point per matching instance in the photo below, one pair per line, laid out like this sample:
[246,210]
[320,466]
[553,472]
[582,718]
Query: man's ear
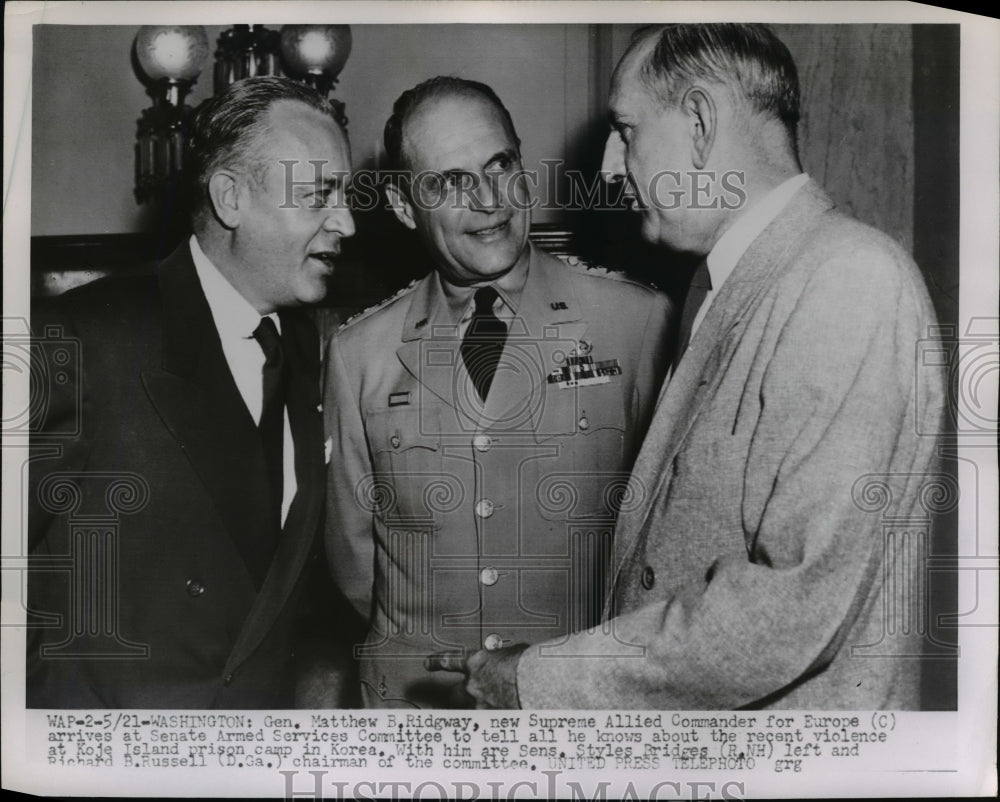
[400,204]
[223,190]
[703,118]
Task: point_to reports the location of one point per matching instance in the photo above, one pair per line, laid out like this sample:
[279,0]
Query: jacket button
[195,587]
[484,508]
[228,680]
[489,576]
[648,578]
[482,442]
[394,441]
[493,642]
[583,423]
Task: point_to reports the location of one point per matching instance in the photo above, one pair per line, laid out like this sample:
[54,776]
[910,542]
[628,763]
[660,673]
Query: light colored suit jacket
[773,555]
[457,525]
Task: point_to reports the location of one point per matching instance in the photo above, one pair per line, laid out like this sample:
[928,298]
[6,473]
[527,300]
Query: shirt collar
[722,259]
[234,316]
[510,286]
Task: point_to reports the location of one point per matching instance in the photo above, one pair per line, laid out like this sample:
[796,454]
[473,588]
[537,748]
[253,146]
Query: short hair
[227,130]
[748,58]
[411,100]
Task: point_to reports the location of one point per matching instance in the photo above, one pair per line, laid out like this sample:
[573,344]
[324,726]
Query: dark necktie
[701,285]
[272,417]
[483,341]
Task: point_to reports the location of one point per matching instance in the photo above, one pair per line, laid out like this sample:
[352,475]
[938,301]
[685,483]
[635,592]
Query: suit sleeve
[833,403]
[350,546]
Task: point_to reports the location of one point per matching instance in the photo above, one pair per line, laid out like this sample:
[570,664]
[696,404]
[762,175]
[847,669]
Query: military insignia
[584,347]
[365,313]
[399,399]
[556,305]
[582,371]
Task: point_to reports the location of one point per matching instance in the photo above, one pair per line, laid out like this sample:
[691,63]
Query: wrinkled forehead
[452,125]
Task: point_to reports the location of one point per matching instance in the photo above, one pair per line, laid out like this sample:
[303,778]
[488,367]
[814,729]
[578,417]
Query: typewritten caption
[517,742]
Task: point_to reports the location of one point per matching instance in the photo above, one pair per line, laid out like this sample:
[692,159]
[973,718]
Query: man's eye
[324,197]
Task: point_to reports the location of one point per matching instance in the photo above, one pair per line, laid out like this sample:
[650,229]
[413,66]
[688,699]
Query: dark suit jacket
[148,502]
[775,555]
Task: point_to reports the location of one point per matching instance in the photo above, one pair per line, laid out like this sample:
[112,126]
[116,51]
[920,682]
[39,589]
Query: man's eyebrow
[333,181]
[616,119]
[507,153]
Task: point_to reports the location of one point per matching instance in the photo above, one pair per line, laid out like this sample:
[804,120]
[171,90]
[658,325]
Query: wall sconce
[171,57]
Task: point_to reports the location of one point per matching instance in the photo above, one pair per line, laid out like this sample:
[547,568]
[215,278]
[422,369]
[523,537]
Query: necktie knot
[484,299]
[266,335]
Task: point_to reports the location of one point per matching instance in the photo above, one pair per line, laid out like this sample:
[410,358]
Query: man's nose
[613,164]
[340,220]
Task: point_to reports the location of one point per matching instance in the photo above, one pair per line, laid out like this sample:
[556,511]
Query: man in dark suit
[171,531]
[765,564]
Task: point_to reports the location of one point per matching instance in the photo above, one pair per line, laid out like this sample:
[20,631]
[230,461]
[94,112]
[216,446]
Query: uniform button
[228,680]
[394,441]
[195,587]
[482,442]
[493,642]
[583,347]
[489,576]
[583,423]
[648,578]
[484,508]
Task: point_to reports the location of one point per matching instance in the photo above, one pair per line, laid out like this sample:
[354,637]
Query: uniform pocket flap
[398,430]
[590,410]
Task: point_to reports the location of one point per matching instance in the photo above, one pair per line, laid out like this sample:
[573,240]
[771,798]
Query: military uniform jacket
[148,499]
[457,525]
[776,557]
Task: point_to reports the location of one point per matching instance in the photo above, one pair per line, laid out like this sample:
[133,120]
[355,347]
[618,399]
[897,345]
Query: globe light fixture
[170,58]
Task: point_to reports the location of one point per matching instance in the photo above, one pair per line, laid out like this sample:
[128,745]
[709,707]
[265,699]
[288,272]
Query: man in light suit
[755,571]
[484,419]
[171,530]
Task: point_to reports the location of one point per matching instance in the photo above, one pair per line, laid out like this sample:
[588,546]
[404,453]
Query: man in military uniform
[484,420]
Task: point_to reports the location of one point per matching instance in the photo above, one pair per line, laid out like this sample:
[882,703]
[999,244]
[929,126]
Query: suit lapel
[700,372]
[199,403]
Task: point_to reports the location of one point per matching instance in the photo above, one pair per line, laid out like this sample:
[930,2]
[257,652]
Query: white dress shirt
[728,251]
[235,321]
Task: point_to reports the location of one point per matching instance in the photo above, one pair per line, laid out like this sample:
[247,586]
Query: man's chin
[314,291]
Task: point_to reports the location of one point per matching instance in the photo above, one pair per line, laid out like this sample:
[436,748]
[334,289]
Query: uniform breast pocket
[581,440]
[410,486]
